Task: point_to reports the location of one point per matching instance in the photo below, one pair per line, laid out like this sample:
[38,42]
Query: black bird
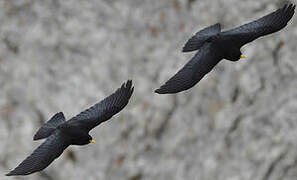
[60,133]
[214,45]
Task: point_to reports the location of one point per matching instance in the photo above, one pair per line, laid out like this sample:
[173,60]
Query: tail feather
[49,127]
[197,41]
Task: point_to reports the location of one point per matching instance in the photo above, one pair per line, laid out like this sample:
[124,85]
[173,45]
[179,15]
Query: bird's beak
[92,141]
[242,57]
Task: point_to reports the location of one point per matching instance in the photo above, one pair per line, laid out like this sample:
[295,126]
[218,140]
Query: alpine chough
[214,45]
[60,133]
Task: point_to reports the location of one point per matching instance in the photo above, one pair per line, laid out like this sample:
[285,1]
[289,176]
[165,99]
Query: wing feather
[201,64]
[268,24]
[43,156]
[105,109]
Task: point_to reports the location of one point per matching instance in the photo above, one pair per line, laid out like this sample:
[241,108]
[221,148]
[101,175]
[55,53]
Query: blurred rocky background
[238,123]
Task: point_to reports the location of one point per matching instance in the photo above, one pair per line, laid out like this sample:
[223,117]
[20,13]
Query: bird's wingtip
[159,91]
[9,174]
[36,137]
[12,173]
[128,85]
[289,6]
[185,50]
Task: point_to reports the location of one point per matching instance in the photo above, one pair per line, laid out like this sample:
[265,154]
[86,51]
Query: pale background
[239,123]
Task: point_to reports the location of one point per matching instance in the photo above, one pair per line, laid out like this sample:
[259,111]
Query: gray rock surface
[239,123]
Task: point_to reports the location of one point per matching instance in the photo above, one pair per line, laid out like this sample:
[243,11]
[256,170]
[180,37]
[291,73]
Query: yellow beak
[92,141]
[242,57]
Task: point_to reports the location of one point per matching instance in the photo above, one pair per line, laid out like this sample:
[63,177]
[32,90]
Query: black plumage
[214,45]
[60,133]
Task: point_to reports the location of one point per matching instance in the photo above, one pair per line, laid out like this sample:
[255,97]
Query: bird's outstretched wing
[201,64]
[268,24]
[105,109]
[43,156]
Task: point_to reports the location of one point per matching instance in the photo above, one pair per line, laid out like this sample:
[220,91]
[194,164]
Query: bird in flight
[214,45]
[60,133]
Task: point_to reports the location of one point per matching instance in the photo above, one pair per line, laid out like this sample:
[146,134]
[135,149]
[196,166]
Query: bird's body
[74,133]
[60,133]
[214,45]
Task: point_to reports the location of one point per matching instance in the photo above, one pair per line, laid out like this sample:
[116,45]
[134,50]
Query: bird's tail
[197,41]
[50,126]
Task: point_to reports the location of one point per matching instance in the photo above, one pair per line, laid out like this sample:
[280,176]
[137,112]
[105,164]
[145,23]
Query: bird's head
[83,140]
[234,54]
[90,139]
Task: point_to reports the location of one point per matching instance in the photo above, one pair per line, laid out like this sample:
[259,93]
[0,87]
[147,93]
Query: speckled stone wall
[238,123]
